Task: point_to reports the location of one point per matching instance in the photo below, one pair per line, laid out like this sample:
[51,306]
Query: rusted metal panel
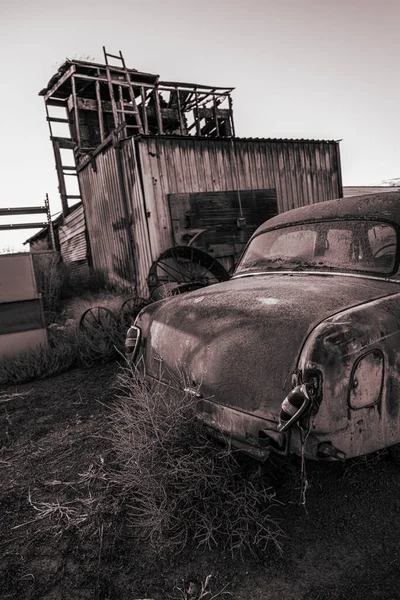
[22,325]
[107,226]
[72,234]
[138,216]
[126,188]
[17,278]
[302,172]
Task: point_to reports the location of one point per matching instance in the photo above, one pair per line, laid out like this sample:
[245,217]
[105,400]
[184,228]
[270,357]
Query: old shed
[159,165]
[143,195]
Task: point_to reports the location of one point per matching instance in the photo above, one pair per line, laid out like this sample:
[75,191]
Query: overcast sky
[301,68]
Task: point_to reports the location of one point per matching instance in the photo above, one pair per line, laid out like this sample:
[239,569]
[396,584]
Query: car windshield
[352,245]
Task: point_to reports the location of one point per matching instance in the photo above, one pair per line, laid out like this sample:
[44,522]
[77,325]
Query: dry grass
[183,488]
[65,350]
[201,590]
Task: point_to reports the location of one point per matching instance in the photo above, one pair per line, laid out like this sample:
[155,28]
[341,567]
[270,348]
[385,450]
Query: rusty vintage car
[299,352]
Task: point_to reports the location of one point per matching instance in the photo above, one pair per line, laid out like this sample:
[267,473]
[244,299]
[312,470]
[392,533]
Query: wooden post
[76,112]
[100,111]
[198,128]
[231,116]
[158,111]
[144,110]
[61,181]
[181,123]
[121,103]
[215,115]
[50,223]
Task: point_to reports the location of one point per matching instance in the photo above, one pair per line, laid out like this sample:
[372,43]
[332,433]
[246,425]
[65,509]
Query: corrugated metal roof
[242,139]
[56,222]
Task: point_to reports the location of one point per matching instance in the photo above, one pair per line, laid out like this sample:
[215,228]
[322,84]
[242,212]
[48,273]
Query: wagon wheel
[386,250]
[183,268]
[97,318]
[131,308]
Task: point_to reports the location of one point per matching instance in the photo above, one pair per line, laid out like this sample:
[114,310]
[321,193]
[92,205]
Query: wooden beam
[144,110]
[197,116]
[23,226]
[64,143]
[59,83]
[56,120]
[121,102]
[231,117]
[164,86]
[61,181]
[175,84]
[99,110]
[215,115]
[158,111]
[23,210]
[59,103]
[181,123]
[190,105]
[76,113]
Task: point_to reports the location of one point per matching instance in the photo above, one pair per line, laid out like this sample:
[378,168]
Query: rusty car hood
[239,341]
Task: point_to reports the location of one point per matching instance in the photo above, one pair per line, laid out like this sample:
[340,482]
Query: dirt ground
[62,538]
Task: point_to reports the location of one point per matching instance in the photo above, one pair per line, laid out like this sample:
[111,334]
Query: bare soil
[64,535]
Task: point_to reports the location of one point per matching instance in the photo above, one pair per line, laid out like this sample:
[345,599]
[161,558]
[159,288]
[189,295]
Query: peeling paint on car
[245,342]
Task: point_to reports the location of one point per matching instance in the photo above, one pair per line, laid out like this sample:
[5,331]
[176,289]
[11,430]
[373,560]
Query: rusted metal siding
[73,246]
[138,216]
[301,172]
[107,225]
[22,324]
[125,189]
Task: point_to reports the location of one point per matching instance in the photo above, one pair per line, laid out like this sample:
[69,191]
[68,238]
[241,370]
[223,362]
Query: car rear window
[354,245]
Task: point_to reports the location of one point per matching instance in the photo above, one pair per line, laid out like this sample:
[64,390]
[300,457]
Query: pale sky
[317,69]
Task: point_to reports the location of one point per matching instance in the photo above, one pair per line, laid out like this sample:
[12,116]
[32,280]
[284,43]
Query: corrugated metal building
[145,194]
[70,240]
[73,245]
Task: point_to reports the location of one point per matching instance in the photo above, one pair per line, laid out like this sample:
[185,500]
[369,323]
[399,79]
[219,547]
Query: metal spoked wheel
[182,269]
[97,318]
[131,308]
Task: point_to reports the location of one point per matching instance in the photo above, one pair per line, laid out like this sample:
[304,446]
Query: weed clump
[66,349]
[182,488]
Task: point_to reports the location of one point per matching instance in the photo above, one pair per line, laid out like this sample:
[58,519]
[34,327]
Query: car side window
[294,244]
[382,240]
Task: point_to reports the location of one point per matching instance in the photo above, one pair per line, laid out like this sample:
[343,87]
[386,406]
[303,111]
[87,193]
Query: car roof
[383,205]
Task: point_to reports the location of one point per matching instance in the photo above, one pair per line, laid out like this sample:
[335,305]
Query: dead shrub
[182,487]
[50,274]
[66,349]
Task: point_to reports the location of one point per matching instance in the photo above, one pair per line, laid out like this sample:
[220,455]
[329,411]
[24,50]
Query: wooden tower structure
[90,101]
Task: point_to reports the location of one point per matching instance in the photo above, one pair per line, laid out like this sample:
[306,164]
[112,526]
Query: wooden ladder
[132,108]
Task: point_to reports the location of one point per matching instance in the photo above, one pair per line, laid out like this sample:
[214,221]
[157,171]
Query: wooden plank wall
[301,172]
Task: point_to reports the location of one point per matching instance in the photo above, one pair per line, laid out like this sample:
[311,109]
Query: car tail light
[132,341]
[293,407]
